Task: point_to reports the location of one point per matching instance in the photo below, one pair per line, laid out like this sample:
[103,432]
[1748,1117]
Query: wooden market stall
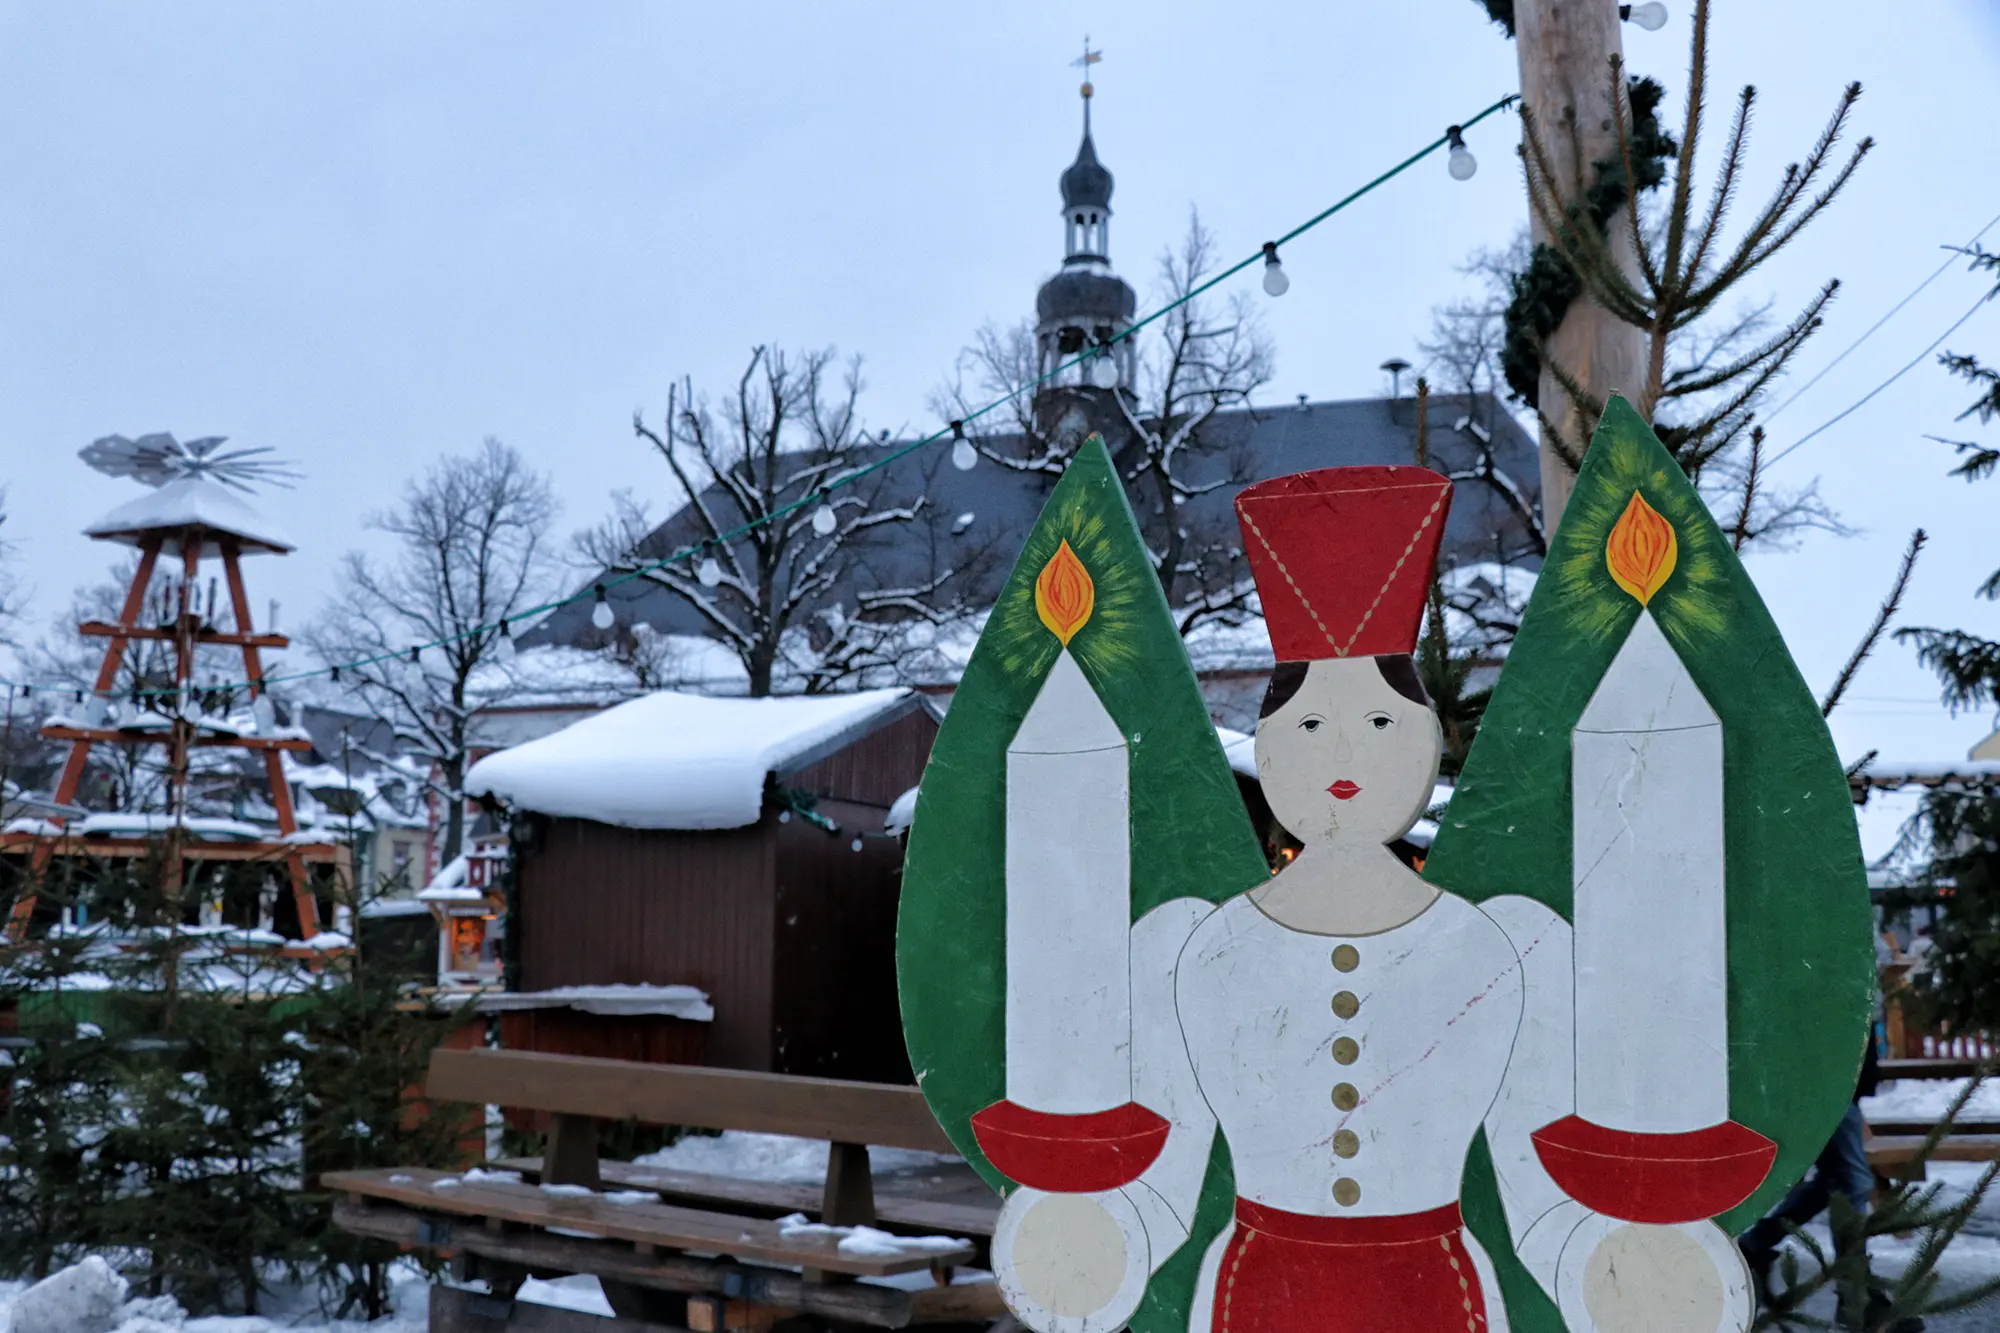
[731,845]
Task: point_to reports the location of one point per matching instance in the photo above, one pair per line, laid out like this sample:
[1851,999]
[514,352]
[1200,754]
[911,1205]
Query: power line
[1264,254]
[1935,275]
[1911,365]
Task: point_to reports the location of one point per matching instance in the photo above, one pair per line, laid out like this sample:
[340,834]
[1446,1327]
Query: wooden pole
[1565,49]
[274,763]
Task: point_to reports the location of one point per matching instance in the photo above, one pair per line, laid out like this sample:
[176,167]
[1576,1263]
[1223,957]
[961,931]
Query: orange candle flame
[1641,550]
[1064,594]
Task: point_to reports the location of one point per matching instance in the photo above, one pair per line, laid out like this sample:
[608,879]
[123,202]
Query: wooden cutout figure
[1627,996]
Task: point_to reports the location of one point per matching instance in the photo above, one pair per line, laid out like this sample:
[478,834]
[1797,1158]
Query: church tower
[1085,303]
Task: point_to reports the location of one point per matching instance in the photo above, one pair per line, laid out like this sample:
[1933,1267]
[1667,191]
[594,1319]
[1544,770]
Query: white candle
[1069,902]
[1652,1033]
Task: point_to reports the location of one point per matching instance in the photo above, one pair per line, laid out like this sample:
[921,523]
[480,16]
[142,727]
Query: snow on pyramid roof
[190,502]
[679,761]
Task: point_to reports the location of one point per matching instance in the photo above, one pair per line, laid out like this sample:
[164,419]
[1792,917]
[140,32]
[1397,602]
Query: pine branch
[1883,615]
[1739,531]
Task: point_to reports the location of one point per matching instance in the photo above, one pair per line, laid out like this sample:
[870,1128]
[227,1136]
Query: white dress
[1351,1074]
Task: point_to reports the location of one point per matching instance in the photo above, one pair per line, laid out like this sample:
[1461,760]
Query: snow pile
[772,1157]
[902,813]
[689,1002]
[866,1241]
[671,760]
[91,1297]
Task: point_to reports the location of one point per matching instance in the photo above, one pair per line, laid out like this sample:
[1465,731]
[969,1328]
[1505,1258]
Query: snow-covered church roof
[680,761]
[190,502]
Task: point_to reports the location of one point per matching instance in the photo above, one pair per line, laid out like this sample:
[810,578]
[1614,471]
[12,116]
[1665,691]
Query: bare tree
[12,595]
[470,533]
[1202,357]
[750,483]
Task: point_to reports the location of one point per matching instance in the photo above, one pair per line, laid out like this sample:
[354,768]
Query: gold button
[1346,1192]
[1346,1004]
[1346,1050]
[1346,958]
[1346,1143]
[1346,1096]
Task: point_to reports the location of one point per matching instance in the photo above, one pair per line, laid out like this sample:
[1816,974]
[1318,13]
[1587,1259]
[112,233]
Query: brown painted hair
[1399,669]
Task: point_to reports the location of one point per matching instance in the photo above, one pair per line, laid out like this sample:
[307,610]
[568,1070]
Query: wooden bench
[708,1253]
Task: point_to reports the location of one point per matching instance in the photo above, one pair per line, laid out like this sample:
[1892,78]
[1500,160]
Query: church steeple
[1086,196]
[1085,303]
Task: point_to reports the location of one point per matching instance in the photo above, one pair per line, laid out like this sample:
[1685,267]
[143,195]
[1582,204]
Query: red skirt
[1289,1273]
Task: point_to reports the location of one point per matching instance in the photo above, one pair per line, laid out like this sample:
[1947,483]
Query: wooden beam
[849,1198]
[814,1108]
[122,848]
[572,1153]
[906,1213]
[117,736]
[102,629]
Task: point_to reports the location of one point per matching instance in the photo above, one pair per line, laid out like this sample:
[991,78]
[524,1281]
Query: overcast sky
[371,233]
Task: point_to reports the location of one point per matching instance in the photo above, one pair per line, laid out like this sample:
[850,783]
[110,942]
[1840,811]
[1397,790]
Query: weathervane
[158,458]
[1084,62]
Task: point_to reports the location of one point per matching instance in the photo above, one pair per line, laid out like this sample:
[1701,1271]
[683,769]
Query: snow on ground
[777,1157]
[285,1308]
[1930,1098]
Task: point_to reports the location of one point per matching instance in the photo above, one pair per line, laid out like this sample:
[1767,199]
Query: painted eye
[1381,721]
[1310,724]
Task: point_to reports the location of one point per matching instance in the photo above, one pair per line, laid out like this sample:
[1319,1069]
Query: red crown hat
[1343,556]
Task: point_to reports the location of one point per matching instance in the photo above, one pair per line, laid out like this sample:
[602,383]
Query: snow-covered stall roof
[680,761]
[187,503]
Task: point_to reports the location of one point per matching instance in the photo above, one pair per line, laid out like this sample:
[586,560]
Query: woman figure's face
[1347,759]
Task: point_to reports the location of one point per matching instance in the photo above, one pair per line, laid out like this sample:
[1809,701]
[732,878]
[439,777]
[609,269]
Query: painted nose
[1340,750]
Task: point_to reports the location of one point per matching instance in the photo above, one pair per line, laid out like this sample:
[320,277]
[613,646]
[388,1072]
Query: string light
[1275,281]
[1652,16]
[963,456]
[503,646]
[1461,163]
[602,615]
[709,572]
[1104,371]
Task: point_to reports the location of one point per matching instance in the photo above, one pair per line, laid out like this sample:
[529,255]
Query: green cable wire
[819,493]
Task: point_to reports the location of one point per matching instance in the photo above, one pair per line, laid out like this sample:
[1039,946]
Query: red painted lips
[1344,790]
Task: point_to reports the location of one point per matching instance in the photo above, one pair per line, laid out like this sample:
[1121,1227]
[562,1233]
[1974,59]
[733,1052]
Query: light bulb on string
[602,615]
[1275,281]
[1461,164]
[1104,370]
[1652,16]
[963,456]
[709,572]
[503,643]
[824,520]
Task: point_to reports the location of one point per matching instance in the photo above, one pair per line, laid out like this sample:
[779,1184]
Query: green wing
[1801,961]
[1190,834]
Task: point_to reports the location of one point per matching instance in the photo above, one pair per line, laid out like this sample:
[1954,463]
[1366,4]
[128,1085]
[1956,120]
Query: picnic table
[683,1249]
